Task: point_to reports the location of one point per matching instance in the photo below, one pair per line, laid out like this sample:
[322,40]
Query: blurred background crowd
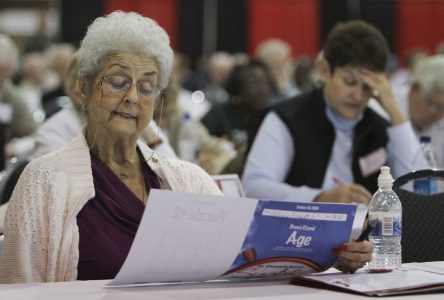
[234,58]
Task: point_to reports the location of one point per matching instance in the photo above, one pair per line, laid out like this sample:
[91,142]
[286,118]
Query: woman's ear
[82,87]
[323,68]
[415,87]
[416,96]
[75,96]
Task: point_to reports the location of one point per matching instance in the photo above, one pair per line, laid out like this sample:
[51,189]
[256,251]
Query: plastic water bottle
[385,213]
[426,186]
[188,140]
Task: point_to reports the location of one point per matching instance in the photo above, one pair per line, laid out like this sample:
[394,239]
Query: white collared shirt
[272,154]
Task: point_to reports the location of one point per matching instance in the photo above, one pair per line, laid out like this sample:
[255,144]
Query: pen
[365,233]
[338,181]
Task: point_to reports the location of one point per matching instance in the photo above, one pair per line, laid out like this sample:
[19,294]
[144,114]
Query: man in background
[422,101]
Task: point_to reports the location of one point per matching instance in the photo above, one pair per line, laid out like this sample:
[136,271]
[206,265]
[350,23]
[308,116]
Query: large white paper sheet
[186,237]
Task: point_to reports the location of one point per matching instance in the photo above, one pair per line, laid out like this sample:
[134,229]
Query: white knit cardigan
[41,234]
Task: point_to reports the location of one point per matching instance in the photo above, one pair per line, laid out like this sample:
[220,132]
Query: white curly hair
[125,32]
[429,73]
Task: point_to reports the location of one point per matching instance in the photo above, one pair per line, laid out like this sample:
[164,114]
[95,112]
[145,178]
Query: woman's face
[425,110]
[256,89]
[347,92]
[123,95]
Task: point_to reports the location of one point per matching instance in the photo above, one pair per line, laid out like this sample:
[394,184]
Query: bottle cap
[187,116]
[385,179]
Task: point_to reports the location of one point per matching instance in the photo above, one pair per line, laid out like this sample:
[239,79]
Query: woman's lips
[125,115]
[353,105]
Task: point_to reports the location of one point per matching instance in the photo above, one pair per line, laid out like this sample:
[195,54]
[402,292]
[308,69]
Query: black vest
[313,137]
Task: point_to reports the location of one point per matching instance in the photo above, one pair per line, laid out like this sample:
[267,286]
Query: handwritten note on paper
[186,237]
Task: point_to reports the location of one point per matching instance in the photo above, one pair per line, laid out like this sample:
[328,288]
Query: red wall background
[163,11]
[418,22]
[295,21]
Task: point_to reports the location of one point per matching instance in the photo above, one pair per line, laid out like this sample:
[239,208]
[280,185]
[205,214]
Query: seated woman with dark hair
[75,211]
[250,87]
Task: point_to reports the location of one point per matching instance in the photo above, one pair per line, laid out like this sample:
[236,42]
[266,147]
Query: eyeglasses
[120,85]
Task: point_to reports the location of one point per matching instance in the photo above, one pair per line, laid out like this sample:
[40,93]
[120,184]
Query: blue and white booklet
[187,237]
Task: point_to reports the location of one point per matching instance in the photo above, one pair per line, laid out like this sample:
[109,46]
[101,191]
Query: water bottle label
[387,225]
[425,186]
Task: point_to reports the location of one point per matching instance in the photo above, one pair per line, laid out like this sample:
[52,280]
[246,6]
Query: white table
[95,290]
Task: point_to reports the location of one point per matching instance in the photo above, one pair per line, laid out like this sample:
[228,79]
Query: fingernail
[343,246]
[338,250]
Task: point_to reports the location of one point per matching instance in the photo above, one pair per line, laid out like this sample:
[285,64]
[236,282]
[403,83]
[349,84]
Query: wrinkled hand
[381,90]
[211,163]
[353,256]
[215,159]
[347,193]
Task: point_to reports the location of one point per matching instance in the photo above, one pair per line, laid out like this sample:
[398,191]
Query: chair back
[10,178]
[229,184]
[422,219]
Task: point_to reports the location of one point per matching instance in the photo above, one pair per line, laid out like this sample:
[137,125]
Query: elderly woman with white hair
[75,211]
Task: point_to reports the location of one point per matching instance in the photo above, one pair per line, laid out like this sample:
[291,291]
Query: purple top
[108,222]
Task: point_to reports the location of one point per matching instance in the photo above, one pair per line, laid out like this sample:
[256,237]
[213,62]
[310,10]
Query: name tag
[373,161]
[5,113]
